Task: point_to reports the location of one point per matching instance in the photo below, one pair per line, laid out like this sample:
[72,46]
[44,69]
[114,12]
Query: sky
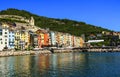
[103,13]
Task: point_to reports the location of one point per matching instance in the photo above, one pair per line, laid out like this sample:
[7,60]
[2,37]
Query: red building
[43,38]
[46,39]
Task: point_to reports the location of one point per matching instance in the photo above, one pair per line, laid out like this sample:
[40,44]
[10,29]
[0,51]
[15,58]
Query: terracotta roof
[41,31]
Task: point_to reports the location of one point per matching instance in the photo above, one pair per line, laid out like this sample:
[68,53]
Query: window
[5,35]
[5,42]
[5,39]
[0,31]
[5,32]
[13,40]
[9,39]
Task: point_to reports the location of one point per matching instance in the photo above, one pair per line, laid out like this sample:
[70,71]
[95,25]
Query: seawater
[61,65]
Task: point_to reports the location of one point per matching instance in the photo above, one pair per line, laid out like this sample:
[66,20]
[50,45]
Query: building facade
[52,38]
[4,36]
[11,39]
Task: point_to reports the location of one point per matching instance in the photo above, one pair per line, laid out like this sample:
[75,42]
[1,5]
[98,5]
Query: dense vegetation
[10,20]
[62,25]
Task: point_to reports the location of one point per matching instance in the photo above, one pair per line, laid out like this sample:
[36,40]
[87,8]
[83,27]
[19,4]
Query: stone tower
[32,21]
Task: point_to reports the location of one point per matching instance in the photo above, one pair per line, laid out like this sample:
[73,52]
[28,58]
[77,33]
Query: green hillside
[61,25]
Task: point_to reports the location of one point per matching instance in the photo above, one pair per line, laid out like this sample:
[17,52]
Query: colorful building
[17,39]
[40,38]
[11,39]
[81,42]
[4,36]
[58,42]
[35,40]
[46,39]
[43,38]
[31,39]
[21,39]
[70,40]
[24,39]
[73,41]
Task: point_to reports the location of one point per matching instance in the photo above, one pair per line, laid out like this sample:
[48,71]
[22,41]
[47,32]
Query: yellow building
[61,38]
[57,37]
[25,39]
[66,39]
[78,42]
[22,39]
[42,38]
[17,39]
[81,42]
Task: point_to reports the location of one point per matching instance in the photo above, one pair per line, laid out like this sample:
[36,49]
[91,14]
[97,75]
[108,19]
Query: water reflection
[61,65]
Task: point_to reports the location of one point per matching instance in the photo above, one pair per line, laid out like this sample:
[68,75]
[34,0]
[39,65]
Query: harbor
[63,64]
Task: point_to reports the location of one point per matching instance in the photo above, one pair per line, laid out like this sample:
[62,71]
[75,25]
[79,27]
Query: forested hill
[61,25]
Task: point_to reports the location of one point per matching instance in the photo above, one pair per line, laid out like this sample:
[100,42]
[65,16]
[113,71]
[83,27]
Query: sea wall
[104,50]
[87,50]
[19,53]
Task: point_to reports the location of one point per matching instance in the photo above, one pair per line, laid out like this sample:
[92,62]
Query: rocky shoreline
[21,53]
[87,50]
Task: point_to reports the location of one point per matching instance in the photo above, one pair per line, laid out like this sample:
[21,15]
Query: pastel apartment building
[43,38]
[4,36]
[52,38]
[11,39]
[23,39]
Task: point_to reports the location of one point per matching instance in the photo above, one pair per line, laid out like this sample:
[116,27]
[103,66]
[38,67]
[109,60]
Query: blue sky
[104,13]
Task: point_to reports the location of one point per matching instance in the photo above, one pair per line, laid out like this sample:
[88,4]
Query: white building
[52,38]
[95,41]
[4,36]
[11,39]
[70,40]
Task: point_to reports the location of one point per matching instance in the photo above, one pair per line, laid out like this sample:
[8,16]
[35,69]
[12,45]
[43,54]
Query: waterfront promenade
[21,53]
[88,49]
[50,51]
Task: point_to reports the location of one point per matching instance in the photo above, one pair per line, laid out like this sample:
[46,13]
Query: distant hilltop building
[28,23]
[32,21]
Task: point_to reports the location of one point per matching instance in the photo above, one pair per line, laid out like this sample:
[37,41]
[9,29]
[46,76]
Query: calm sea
[62,65]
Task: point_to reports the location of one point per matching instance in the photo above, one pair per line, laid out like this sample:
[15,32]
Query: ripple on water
[61,65]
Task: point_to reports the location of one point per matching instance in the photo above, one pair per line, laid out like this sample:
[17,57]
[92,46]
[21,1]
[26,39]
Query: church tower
[32,21]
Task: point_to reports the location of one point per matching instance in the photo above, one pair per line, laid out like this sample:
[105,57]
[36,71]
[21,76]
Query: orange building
[43,38]
[46,39]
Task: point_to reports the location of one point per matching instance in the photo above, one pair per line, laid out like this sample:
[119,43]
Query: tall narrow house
[4,36]
[11,39]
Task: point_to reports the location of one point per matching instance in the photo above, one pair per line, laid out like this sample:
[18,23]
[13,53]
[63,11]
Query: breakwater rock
[86,50]
[19,53]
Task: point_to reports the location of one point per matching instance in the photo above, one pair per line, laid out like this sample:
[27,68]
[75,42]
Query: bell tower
[32,21]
